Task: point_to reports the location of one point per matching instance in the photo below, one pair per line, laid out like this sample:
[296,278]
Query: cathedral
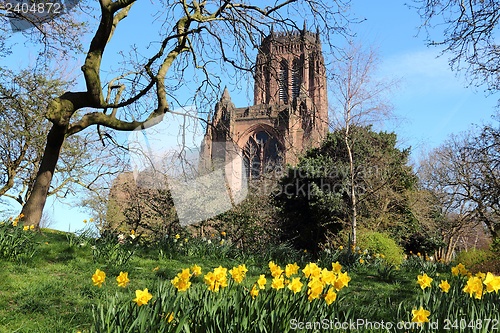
[243,144]
[289,115]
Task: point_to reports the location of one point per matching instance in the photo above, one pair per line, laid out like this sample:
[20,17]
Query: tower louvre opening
[283,81]
[295,78]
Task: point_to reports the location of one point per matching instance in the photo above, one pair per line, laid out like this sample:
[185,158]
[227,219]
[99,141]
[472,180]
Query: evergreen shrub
[376,242]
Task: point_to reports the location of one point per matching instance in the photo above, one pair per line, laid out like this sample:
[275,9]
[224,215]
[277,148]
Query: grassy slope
[54,292]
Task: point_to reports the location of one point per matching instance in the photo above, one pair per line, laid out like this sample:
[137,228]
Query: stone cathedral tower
[289,115]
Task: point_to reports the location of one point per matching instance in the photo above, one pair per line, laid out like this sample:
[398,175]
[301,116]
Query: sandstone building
[289,115]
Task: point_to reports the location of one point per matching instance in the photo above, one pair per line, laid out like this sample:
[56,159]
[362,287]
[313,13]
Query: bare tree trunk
[353,193]
[33,208]
[449,249]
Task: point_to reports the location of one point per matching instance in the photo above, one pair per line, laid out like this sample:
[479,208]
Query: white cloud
[423,72]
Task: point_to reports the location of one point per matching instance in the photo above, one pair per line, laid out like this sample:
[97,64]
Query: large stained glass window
[261,154]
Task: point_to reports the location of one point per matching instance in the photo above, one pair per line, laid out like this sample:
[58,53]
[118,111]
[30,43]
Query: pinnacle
[225,94]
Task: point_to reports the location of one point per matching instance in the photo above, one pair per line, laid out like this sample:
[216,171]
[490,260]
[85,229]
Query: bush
[252,224]
[376,242]
[477,260]
[471,257]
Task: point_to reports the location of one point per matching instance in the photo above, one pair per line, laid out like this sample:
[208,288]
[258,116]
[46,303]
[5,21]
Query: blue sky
[432,101]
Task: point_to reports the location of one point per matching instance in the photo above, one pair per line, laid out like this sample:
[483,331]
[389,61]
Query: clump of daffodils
[238,273]
[216,279]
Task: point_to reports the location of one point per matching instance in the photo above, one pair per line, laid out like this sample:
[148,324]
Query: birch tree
[360,98]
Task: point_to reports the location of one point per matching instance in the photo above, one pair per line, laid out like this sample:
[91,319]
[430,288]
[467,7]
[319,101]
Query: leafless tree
[463,176]
[57,35]
[199,36]
[23,100]
[359,99]
[469,30]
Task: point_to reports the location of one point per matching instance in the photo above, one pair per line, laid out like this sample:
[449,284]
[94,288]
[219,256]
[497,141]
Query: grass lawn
[53,290]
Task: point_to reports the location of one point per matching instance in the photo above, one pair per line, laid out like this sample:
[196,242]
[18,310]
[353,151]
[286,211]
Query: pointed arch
[262,151]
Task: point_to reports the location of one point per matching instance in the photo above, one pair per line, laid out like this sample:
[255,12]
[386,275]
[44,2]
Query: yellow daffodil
[492,283]
[142,297]
[196,270]
[295,285]
[84,221]
[330,297]
[420,316]
[98,278]
[26,228]
[216,279]
[132,232]
[254,292]
[276,271]
[262,281]
[336,267]
[14,223]
[361,261]
[238,273]
[177,236]
[311,270]
[180,284]
[455,271]
[480,275]
[315,288]
[444,285]
[156,268]
[291,269]
[462,269]
[341,247]
[91,220]
[223,234]
[184,274]
[170,317]
[32,227]
[278,283]
[328,277]
[474,285]
[185,239]
[342,281]
[122,279]
[424,281]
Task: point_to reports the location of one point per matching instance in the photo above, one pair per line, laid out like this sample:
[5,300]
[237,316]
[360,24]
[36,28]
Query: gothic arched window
[261,154]
[283,81]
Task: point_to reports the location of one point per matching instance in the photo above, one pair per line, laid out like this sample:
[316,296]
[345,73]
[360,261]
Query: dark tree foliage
[314,195]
